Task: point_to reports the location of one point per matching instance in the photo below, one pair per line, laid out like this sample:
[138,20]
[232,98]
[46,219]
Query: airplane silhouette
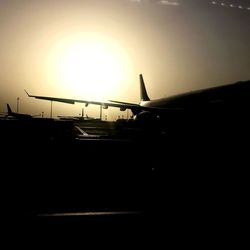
[229,95]
[17,115]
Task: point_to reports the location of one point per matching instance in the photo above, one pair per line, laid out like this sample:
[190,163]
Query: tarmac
[132,183]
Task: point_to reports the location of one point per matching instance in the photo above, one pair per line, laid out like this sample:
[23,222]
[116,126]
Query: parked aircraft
[17,115]
[229,96]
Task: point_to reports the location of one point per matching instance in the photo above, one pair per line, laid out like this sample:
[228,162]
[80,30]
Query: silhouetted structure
[187,176]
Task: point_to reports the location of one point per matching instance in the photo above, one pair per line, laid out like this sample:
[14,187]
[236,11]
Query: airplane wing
[135,108]
[122,105]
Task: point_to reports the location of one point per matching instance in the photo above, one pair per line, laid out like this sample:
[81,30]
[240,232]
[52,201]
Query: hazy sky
[96,49]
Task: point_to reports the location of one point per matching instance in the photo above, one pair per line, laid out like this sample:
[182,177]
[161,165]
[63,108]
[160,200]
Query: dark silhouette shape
[169,108]
[17,115]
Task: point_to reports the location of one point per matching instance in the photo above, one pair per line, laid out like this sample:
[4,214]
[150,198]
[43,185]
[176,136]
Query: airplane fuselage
[232,94]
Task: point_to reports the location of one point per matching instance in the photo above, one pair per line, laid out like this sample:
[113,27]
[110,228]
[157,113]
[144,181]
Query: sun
[90,67]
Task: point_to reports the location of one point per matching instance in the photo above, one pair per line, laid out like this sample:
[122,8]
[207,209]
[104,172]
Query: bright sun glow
[89,67]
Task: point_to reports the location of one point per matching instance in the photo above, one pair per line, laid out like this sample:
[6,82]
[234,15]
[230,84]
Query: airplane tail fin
[9,109]
[143,91]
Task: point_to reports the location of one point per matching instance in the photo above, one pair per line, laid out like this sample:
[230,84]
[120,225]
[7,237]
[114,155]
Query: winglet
[27,93]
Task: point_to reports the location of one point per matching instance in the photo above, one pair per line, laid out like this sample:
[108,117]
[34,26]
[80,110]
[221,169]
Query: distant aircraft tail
[9,109]
[143,91]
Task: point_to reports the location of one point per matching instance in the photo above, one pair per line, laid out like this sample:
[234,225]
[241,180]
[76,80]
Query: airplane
[17,115]
[224,96]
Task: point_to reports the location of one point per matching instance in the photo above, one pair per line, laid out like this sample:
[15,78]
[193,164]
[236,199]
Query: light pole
[51,109]
[17,104]
[101,112]
[82,112]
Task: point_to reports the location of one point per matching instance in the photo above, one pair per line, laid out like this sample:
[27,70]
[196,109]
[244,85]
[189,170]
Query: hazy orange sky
[96,49]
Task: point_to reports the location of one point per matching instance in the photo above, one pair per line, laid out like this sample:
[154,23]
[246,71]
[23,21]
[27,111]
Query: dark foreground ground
[186,186]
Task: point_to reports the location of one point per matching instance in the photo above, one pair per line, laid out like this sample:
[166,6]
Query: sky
[96,49]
